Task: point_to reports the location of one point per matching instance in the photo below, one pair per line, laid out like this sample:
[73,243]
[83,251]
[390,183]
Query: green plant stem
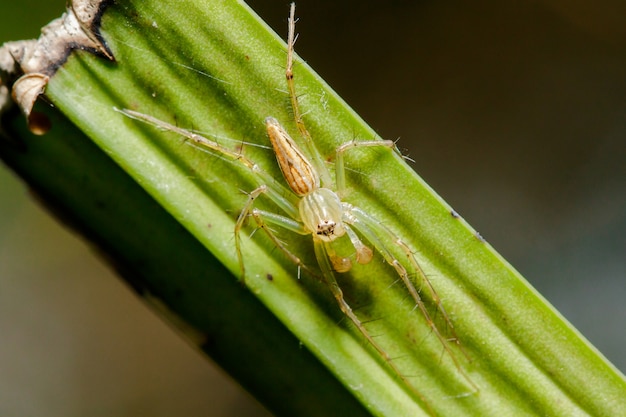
[166,214]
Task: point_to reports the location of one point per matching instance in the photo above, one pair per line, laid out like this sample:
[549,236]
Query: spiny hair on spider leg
[253,232]
[281,241]
[372,320]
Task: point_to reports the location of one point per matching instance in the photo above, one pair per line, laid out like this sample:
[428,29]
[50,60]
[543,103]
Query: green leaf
[216,68]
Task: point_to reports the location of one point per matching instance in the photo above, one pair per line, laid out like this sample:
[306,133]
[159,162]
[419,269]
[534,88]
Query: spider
[317,209]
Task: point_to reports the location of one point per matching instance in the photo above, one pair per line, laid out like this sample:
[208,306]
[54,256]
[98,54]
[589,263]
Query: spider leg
[340,170]
[262,218]
[363,253]
[322,252]
[311,149]
[275,190]
[374,231]
[243,215]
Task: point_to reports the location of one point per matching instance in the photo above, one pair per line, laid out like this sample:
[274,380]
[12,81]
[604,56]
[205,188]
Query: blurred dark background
[515,112]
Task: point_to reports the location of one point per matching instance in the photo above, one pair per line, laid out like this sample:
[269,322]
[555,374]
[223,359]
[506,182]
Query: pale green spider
[320,212]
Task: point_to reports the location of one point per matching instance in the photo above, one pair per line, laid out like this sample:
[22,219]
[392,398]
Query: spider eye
[326,229]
